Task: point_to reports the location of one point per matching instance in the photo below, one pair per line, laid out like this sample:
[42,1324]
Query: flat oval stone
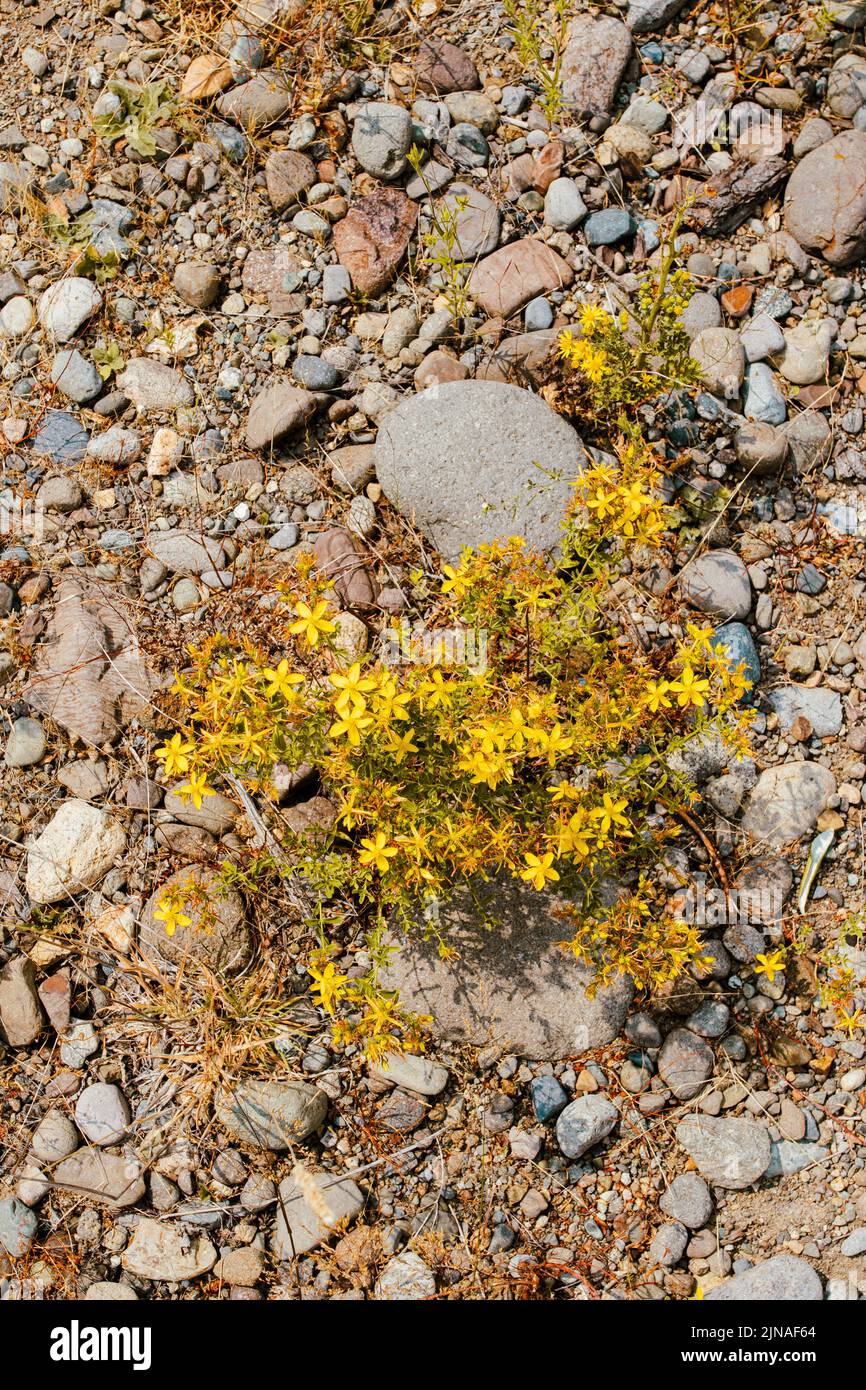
[473,461]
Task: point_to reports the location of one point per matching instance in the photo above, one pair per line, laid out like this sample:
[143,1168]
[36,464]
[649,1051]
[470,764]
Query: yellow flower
[563,791]
[455,582]
[594,364]
[610,814]
[251,744]
[593,317]
[602,503]
[328,985]
[175,755]
[312,622]
[566,345]
[555,743]
[388,703]
[435,690]
[486,765]
[634,500]
[352,687]
[282,680]
[574,837]
[701,636]
[350,726]
[538,870]
[771,964]
[689,690]
[516,730]
[196,789]
[416,842]
[170,912]
[851,1021]
[655,695]
[378,852]
[401,744]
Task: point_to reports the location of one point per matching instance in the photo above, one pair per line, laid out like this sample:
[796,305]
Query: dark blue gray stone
[548,1097]
[737,644]
[61,437]
[608,226]
[233,144]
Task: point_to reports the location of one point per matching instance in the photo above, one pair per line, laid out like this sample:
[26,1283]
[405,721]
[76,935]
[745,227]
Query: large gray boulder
[512,986]
[825,201]
[784,1278]
[475,461]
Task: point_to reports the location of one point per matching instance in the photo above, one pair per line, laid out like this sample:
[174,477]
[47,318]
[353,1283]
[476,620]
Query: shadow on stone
[512,986]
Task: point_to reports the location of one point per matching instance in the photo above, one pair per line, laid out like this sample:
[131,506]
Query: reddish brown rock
[340,557]
[527,172]
[289,174]
[506,280]
[437,368]
[372,239]
[313,818]
[819,396]
[442,67]
[518,175]
[55,995]
[548,165]
[264,273]
[522,359]
[738,301]
[277,411]
[21,1019]
[594,63]
[400,1112]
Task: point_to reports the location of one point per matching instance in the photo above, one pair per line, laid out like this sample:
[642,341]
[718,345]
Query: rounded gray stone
[584,1123]
[720,356]
[75,377]
[66,305]
[102,1113]
[271,1114]
[474,461]
[730,1153]
[26,743]
[718,583]
[825,201]
[685,1062]
[17,1227]
[702,311]
[301,1223]
[688,1200]
[563,206]
[669,1244]
[382,138]
[786,803]
[217,935]
[406,1277]
[197,283]
[54,1138]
